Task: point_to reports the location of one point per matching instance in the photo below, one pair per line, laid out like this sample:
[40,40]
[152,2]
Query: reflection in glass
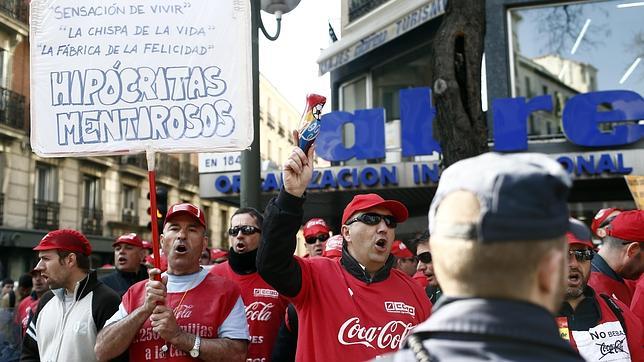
[567,49]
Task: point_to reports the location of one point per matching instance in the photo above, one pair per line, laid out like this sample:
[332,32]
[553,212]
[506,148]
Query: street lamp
[250,175]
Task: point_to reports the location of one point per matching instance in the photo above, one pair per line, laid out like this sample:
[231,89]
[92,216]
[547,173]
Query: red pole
[153,210]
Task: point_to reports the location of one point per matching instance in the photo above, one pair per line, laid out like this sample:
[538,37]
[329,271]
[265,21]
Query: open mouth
[181,249]
[574,279]
[381,245]
[122,260]
[240,247]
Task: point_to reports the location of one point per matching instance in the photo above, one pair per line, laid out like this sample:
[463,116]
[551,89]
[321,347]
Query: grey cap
[522,197]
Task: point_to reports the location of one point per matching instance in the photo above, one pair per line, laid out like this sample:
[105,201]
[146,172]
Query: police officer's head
[497,225]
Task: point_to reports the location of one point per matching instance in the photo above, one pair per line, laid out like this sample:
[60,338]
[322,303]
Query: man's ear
[549,276]
[345,233]
[633,249]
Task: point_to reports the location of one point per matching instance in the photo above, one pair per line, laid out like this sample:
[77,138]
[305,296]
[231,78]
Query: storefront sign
[413,174]
[219,162]
[582,117]
[399,27]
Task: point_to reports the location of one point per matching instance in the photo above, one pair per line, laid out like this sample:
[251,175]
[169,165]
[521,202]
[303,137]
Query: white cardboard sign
[125,76]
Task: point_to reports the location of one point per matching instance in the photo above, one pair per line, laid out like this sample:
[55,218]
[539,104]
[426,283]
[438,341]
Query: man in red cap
[594,323]
[316,233]
[602,219]
[190,314]
[77,306]
[354,308]
[405,260]
[28,306]
[264,306]
[620,261]
[128,259]
[333,247]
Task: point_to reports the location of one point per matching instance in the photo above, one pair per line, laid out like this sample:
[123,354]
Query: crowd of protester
[502,273]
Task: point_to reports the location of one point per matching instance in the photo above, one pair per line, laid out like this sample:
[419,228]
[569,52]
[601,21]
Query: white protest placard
[125,76]
[219,162]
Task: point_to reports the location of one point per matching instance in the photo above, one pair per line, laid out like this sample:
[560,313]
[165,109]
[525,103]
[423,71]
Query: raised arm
[282,220]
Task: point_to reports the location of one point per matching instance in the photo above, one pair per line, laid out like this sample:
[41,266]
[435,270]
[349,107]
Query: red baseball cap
[400,250]
[186,208]
[578,233]
[628,225]
[314,227]
[218,253]
[146,244]
[65,239]
[333,248]
[367,201]
[599,220]
[130,238]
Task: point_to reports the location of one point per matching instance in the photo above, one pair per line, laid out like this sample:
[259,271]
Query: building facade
[103,197]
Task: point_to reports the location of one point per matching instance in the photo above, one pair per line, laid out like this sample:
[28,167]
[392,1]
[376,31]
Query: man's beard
[576,292]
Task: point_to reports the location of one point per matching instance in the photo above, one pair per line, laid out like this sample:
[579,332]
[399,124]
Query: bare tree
[461,126]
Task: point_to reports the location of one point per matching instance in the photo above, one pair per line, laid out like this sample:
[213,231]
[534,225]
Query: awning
[368,38]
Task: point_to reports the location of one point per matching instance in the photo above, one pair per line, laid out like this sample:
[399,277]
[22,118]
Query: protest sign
[131,75]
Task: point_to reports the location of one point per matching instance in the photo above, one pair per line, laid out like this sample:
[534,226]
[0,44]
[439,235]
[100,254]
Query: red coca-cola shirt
[203,309]
[25,310]
[342,318]
[264,311]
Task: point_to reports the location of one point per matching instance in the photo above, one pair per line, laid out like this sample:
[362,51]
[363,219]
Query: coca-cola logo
[389,336]
[183,311]
[259,311]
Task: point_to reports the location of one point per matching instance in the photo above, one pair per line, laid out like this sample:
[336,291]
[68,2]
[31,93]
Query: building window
[360,8]
[412,69]
[223,235]
[130,205]
[571,48]
[92,215]
[353,95]
[46,206]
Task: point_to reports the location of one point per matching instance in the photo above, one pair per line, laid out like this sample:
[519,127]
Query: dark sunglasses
[245,230]
[425,257]
[314,239]
[371,218]
[581,255]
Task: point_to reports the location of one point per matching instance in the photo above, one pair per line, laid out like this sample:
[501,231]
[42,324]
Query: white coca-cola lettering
[389,336]
[259,311]
[183,311]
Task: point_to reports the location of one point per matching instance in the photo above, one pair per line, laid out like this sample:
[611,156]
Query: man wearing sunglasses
[351,309]
[426,268]
[316,233]
[620,261]
[594,323]
[264,306]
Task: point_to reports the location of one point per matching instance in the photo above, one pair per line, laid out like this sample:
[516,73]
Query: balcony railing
[92,221]
[46,214]
[17,9]
[168,166]
[134,160]
[129,217]
[270,121]
[12,109]
[189,174]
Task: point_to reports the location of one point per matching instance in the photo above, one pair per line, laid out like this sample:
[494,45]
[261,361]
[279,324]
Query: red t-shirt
[603,284]
[637,303]
[344,319]
[203,309]
[26,309]
[264,311]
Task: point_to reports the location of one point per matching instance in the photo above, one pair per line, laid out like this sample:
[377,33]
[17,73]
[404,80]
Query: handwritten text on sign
[120,78]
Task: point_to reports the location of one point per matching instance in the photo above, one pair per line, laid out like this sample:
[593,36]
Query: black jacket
[121,281]
[476,329]
[275,261]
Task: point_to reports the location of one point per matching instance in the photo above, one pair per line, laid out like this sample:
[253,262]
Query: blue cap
[522,197]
